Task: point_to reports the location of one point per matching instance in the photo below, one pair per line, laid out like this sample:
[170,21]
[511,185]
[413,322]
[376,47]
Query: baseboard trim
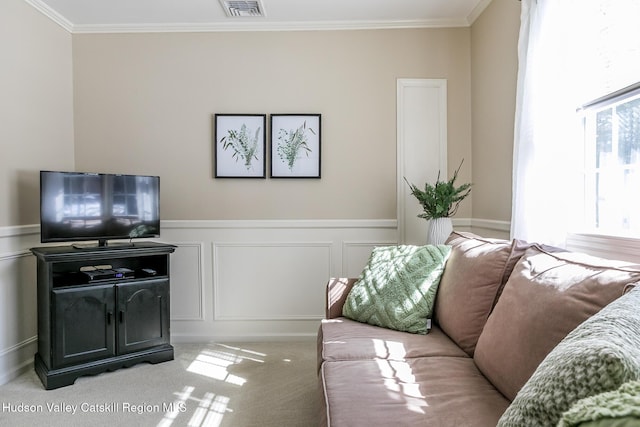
[17,359]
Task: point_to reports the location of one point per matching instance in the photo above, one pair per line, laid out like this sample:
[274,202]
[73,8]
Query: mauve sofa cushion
[336,294]
[427,391]
[345,339]
[546,297]
[473,277]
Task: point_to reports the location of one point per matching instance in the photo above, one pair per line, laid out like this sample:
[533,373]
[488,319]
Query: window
[559,188]
[611,128]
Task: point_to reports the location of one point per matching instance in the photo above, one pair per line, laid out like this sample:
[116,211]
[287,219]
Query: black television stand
[88,327]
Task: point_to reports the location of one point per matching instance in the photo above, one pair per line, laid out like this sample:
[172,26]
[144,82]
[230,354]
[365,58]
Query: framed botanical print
[295,145]
[240,145]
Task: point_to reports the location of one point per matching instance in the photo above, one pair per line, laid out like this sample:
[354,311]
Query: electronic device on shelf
[81,206]
[123,273]
[149,272]
[95,274]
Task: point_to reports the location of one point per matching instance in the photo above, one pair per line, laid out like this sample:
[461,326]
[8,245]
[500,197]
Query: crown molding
[477,11]
[51,14]
[265,26]
[244,25]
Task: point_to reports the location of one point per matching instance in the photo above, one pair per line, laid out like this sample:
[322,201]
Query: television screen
[93,206]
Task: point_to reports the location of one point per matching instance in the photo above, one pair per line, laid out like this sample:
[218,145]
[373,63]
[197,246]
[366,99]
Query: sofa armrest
[337,291]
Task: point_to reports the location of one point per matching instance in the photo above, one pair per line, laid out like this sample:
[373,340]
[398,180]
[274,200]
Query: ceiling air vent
[242,8]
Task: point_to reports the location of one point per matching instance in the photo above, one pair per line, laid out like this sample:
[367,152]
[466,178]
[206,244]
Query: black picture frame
[296,146]
[240,144]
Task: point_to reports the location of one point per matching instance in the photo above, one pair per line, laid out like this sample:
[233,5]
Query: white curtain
[569,52]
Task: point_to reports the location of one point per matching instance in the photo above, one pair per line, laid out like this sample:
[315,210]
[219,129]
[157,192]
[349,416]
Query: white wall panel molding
[421,145]
[280,224]
[20,230]
[355,255]
[18,307]
[270,280]
[188,288]
[262,279]
[491,224]
[13,255]
[488,228]
[16,359]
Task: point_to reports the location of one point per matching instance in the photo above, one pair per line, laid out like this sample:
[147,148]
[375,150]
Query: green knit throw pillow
[397,288]
[598,356]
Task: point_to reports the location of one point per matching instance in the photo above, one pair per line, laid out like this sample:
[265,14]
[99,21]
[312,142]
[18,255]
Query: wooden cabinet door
[143,314]
[83,324]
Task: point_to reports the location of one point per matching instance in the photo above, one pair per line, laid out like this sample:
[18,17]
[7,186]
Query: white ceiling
[84,16]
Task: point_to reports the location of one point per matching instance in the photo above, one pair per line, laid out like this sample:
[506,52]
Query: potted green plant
[440,201]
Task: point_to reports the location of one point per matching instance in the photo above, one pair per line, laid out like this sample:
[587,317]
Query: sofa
[518,335]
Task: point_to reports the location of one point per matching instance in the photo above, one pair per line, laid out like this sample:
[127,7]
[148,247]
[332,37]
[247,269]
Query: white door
[421,148]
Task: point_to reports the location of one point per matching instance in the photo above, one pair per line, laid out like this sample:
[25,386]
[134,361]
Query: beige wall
[494,66]
[36,112]
[144,104]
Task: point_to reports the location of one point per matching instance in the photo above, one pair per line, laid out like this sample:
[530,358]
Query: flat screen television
[81,206]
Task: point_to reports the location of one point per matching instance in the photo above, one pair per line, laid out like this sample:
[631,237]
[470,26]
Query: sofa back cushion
[546,297]
[600,355]
[473,278]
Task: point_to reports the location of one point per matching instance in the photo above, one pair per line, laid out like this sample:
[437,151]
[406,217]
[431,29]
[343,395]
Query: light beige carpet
[208,385]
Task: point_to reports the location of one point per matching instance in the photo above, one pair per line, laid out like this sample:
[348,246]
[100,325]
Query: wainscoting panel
[257,280]
[18,303]
[19,296]
[355,256]
[187,290]
[270,281]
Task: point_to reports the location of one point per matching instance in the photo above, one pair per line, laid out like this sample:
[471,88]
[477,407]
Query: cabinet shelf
[88,325]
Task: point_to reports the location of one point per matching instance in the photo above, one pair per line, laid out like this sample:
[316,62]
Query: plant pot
[439,230]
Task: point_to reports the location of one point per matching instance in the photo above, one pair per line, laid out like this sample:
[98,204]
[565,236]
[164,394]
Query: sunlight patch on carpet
[214,366]
[215,363]
[212,362]
[209,413]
